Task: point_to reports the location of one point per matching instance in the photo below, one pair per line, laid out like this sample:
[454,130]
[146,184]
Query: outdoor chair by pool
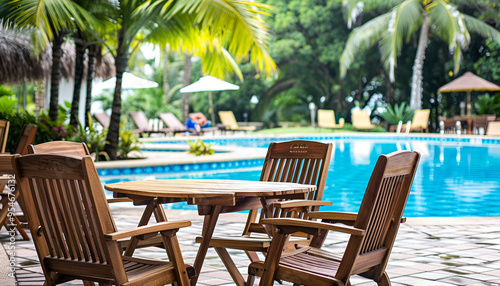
[298,161]
[420,120]
[326,119]
[172,122]
[4,133]
[67,148]
[103,119]
[361,120]
[481,123]
[26,138]
[493,128]
[372,233]
[229,121]
[141,121]
[74,233]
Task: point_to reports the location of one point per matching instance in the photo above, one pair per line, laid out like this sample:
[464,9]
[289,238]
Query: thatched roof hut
[18,61]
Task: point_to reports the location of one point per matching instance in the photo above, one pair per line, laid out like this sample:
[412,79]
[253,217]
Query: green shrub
[199,148]
[486,104]
[398,113]
[128,142]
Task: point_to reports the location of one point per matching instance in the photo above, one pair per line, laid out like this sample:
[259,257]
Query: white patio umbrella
[129,81]
[209,83]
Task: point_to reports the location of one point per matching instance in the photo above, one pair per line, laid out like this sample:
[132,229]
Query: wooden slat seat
[74,233]
[372,233]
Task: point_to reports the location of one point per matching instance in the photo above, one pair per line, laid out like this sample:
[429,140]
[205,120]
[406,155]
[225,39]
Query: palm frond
[238,25]
[480,27]
[362,38]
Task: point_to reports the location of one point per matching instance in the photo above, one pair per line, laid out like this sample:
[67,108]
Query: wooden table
[212,198]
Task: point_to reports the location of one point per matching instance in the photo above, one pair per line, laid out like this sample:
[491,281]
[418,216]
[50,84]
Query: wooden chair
[74,234]
[229,121]
[141,121]
[481,121]
[361,120]
[372,233]
[67,148]
[298,161]
[420,120]
[326,119]
[4,132]
[27,137]
[103,119]
[172,122]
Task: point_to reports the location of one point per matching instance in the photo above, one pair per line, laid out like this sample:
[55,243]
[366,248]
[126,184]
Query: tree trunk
[121,63]
[166,86]
[418,65]
[75,105]
[186,81]
[55,76]
[90,77]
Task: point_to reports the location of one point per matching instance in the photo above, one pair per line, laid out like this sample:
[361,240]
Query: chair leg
[384,280]
[250,280]
[230,266]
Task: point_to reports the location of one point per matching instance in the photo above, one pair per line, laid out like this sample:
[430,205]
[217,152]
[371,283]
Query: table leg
[144,221]
[208,230]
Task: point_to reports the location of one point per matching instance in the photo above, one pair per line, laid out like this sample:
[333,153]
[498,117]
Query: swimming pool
[455,177]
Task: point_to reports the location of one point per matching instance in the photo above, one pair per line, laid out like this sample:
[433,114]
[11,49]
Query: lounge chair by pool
[326,119]
[361,120]
[227,118]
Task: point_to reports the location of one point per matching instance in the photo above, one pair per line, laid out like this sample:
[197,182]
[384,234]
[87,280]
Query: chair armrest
[307,225]
[333,216]
[147,229]
[301,203]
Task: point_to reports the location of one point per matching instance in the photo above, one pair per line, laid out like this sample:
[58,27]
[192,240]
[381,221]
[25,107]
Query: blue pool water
[454,178]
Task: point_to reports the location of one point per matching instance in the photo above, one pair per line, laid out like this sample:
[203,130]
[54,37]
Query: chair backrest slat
[27,137]
[78,149]
[4,132]
[72,219]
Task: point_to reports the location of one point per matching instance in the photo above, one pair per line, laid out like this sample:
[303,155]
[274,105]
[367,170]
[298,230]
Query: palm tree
[88,39]
[400,23]
[237,24]
[53,20]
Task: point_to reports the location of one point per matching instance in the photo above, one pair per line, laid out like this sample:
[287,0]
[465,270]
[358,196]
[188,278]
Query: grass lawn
[308,129]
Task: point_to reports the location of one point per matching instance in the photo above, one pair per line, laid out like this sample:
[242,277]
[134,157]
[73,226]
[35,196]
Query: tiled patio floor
[428,251]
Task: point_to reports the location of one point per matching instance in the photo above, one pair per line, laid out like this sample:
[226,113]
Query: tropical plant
[94,139]
[487,104]
[128,142]
[398,113]
[199,148]
[233,24]
[401,23]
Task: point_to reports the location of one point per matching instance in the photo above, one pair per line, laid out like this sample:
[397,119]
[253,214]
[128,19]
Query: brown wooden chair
[372,233]
[4,132]
[103,119]
[78,149]
[141,121]
[172,122]
[27,137]
[74,234]
[296,161]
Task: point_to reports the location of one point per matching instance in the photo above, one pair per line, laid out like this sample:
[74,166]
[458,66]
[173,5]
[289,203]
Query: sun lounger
[326,119]
[361,120]
[229,121]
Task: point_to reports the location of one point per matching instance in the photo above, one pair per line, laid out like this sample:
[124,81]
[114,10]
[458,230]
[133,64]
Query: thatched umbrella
[18,62]
[469,82]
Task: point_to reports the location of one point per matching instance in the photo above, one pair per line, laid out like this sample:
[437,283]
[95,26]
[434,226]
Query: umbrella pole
[468,103]
[211,108]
